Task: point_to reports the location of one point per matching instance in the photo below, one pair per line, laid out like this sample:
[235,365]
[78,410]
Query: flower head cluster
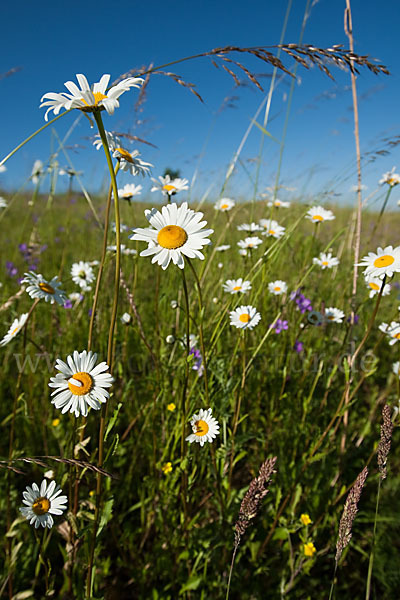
[386,261]
[250,227]
[392,330]
[205,428]
[234,286]
[14,330]
[39,287]
[87,98]
[278,204]
[128,161]
[374,284]
[333,315]
[279,325]
[303,303]
[169,187]
[318,214]
[277,287]
[224,204]
[129,191]
[249,243]
[391,178]
[271,228]
[80,384]
[174,233]
[41,503]
[245,317]
[82,274]
[326,261]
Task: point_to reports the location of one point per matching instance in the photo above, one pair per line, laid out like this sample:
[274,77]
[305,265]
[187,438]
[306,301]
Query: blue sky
[51,43]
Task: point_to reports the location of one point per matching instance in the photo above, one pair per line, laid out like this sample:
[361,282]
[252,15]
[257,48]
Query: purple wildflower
[11,269]
[280,325]
[303,303]
[298,346]
[68,304]
[198,361]
[356,319]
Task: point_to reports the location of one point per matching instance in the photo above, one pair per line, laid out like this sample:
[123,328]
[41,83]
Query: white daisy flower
[82,274]
[130,161]
[169,187]
[224,204]
[251,227]
[126,318]
[243,252]
[205,428]
[43,502]
[89,99]
[391,178]
[75,297]
[326,261]
[3,202]
[113,141]
[80,384]
[124,249]
[245,317]
[317,214]
[392,330]
[175,232]
[334,315]
[385,262]
[277,287]
[15,328]
[39,287]
[222,248]
[3,168]
[233,286]
[129,191]
[37,171]
[374,284]
[271,228]
[396,368]
[250,243]
[278,204]
[122,227]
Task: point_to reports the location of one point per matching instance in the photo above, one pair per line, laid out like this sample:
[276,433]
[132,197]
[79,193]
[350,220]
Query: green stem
[99,122]
[184,401]
[371,556]
[201,310]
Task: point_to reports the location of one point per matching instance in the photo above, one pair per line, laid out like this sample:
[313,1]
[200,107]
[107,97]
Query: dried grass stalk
[349,513]
[252,500]
[386,440]
[40,461]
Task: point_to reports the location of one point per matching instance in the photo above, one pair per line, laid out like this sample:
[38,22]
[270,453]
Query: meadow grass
[167,530]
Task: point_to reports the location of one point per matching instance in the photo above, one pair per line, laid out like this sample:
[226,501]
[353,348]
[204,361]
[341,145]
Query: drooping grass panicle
[349,513]
[252,500]
[386,440]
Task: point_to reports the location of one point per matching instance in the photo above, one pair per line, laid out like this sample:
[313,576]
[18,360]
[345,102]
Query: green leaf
[111,422]
[192,584]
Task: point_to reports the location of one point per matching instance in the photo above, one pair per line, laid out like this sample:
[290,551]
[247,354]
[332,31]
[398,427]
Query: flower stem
[99,122]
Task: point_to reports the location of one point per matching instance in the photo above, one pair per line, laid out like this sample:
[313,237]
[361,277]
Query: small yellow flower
[55,422]
[305,519]
[171,407]
[309,549]
[167,468]
[92,493]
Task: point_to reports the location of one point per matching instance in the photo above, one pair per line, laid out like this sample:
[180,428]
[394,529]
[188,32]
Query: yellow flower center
[392,181]
[325,263]
[86,382]
[41,506]
[318,218]
[397,336]
[271,232]
[172,236]
[244,318]
[277,288]
[14,331]
[46,287]
[201,428]
[125,155]
[98,97]
[237,288]
[170,189]
[330,317]
[224,206]
[383,261]
[374,286]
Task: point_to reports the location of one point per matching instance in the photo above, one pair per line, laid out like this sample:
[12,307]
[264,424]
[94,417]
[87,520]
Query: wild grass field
[230,439]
